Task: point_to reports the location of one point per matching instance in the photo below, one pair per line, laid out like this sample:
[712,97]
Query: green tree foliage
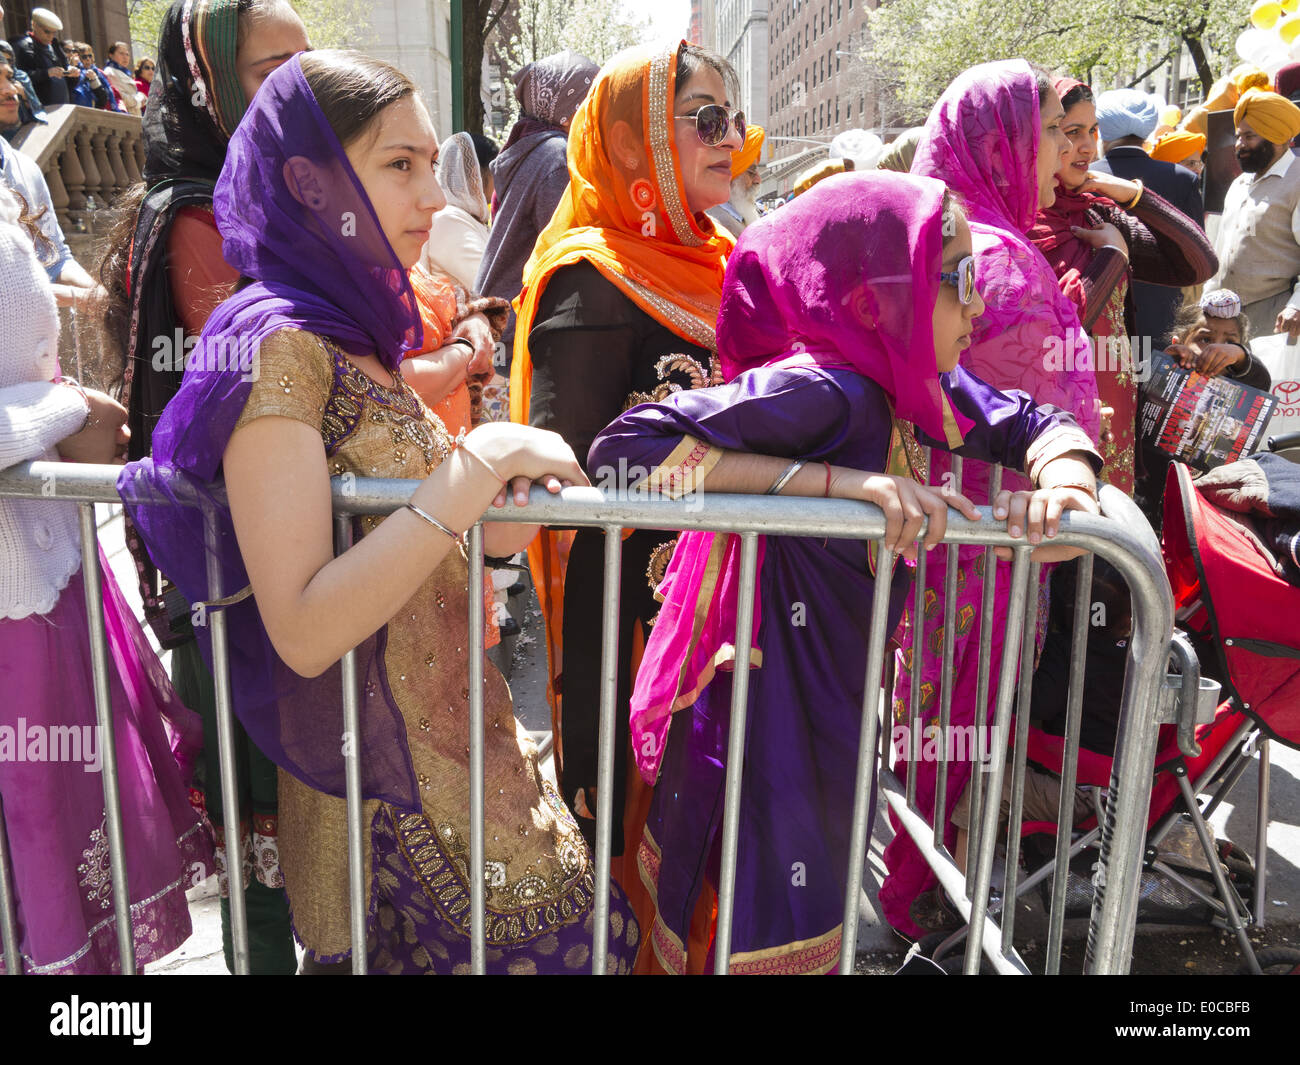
[330,23]
[916,47]
[597,29]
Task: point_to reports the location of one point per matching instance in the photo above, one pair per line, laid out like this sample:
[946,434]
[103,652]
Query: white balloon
[1253,43]
[1294,50]
[1275,61]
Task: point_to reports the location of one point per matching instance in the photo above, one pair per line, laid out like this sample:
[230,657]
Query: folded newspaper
[1202,421]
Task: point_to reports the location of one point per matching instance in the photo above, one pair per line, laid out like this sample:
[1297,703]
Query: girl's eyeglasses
[712,122]
[963,279]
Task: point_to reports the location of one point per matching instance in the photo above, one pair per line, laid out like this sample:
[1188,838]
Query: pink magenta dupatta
[839,278]
[981,140]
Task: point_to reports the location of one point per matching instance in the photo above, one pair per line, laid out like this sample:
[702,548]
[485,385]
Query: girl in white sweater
[50,758]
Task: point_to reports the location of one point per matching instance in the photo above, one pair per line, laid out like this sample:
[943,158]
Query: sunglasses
[712,122]
[963,279]
[147,66]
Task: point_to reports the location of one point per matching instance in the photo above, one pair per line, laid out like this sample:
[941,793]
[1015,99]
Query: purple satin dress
[805,702]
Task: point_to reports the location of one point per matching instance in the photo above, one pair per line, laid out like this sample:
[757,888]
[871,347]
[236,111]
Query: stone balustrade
[89,158]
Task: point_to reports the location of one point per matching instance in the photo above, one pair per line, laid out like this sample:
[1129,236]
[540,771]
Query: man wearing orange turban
[742,208]
[1259,239]
[1181,148]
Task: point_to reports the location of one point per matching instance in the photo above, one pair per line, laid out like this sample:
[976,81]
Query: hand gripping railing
[1121,536]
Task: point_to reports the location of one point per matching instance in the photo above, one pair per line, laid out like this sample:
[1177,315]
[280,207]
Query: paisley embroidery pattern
[678,373]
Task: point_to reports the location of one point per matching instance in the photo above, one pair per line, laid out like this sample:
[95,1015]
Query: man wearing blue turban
[1125,118]
[1125,113]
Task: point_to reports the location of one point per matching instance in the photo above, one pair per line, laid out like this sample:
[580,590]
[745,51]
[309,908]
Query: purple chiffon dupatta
[295,220]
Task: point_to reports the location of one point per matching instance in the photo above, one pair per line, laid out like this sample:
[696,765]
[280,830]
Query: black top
[37,60]
[596,353]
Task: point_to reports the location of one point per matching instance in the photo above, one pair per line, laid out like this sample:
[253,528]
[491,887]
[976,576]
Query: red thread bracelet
[828,478]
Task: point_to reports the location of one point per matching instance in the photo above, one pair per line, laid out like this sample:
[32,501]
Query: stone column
[74,178]
[58,193]
[115,145]
[85,153]
[99,149]
[130,139]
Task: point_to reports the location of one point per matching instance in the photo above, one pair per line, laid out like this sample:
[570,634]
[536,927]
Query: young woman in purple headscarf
[843,316]
[297,378]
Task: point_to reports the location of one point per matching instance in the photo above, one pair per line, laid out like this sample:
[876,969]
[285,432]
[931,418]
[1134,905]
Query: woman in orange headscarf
[619,307]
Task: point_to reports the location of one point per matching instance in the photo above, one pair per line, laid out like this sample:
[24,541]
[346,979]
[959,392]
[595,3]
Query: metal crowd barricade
[1121,536]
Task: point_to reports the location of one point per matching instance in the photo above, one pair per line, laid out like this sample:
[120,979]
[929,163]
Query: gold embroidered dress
[538,869]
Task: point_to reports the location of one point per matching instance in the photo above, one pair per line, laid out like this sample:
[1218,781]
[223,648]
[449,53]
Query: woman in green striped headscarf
[164,274]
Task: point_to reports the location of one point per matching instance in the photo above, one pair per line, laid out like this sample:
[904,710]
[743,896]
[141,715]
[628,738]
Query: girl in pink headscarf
[843,315]
[994,138]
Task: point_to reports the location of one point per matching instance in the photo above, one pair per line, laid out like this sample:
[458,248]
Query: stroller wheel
[1276,961]
[1241,869]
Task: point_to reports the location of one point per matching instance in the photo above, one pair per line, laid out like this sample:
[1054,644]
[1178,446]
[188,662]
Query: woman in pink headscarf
[1100,231]
[994,138]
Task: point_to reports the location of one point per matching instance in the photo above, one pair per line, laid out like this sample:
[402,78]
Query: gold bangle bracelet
[481,461]
[1134,202]
[424,515]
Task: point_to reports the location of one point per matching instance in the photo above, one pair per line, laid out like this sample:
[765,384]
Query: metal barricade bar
[1069,765]
[8,916]
[863,810]
[1014,816]
[946,677]
[988,599]
[107,737]
[1020,568]
[477,829]
[736,751]
[357,909]
[1126,543]
[605,746]
[216,621]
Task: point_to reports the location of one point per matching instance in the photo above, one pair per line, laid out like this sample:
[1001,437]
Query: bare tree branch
[494,19]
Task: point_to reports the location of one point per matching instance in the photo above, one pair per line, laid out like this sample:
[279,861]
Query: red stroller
[1242,619]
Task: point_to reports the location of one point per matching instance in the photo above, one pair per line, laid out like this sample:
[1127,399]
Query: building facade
[703,29]
[817,84]
[415,36]
[742,39]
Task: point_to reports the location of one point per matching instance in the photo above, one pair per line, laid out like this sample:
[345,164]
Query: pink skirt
[52,786]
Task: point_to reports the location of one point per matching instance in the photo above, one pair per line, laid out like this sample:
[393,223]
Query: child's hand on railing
[907,505]
[1066,483]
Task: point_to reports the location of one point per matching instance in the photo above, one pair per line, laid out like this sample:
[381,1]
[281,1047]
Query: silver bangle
[784,479]
[426,516]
